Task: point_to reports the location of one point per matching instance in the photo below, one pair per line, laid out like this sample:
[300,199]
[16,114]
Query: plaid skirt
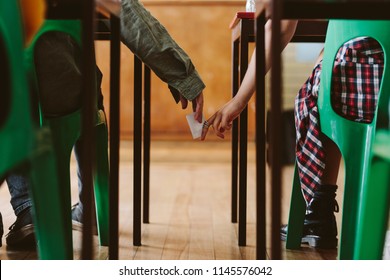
[357,74]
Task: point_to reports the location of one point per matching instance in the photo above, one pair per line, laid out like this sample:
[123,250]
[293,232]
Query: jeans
[78,155]
[58,67]
[18,186]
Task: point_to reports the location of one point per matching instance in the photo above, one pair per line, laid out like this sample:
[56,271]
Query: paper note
[195,126]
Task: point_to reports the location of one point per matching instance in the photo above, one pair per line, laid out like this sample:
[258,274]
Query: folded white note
[195,126]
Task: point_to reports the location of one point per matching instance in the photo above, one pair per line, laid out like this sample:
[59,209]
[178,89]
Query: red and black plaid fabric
[357,74]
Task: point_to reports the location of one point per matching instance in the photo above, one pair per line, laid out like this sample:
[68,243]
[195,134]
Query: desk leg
[243,145]
[146,174]
[260,141]
[275,143]
[235,85]
[137,152]
[242,180]
[89,105]
[114,137]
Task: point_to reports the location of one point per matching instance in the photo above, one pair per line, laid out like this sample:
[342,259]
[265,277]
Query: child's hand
[197,106]
[222,120]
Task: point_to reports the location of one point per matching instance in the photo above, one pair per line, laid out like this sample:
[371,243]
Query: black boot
[320,229]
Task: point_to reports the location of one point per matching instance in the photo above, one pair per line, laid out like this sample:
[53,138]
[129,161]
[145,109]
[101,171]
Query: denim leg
[18,186]
[79,159]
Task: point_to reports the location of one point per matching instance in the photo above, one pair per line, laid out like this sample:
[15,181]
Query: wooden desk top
[72,9]
[327,9]
[239,16]
[307,30]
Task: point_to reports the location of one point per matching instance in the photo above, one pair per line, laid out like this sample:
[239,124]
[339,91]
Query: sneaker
[77,216]
[21,233]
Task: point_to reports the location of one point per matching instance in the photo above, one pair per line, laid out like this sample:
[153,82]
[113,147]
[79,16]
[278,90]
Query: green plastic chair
[24,146]
[66,130]
[374,212]
[353,139]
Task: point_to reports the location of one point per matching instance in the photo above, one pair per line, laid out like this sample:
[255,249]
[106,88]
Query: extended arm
[149,40]
[223,118]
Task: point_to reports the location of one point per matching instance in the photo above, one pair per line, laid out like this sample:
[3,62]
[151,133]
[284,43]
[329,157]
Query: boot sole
[319,242]
[315,241]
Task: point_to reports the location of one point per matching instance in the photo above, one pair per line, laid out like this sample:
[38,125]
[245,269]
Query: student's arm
[149,40]
[223,118]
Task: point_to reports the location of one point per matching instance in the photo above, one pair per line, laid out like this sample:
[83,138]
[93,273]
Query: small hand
[213,121]
[197,106]
[222,120]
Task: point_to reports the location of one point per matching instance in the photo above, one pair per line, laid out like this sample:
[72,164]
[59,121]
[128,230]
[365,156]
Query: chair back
[354,139]
[21,139]
[339,32]
[16,125]
[66,130]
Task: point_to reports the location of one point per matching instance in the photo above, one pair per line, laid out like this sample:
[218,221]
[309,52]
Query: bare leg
[332,162]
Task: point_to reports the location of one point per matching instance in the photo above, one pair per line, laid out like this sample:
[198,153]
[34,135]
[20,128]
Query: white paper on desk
[195,126]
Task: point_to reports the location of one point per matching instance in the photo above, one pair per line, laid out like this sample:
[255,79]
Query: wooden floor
[190,207]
